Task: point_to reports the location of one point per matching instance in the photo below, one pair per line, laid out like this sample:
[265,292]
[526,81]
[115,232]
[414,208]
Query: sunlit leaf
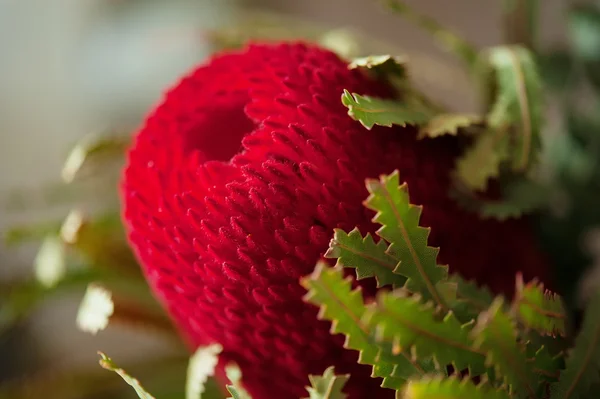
[234,374]
[370,259]
[95,309]
[201,366]
[451,388]
[108,364]
[444,124]
[481,162]
[539,309]
[370,111]
[399,220]
[496,334]
[327,386]
[50,265]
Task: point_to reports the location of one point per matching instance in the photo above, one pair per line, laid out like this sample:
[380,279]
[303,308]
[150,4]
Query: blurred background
[71,68]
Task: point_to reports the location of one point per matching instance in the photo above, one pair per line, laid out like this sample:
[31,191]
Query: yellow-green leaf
[344,307]
[399,221]
[483,159]
[201,366]
[95,310]
[444,124]
[496,335]
[370,111]
[539,309]
[327,386]
[370,259]
[406,323]
[236,389]
[517,100]
[384,64]
[108,364]
[451,388]
[50,264]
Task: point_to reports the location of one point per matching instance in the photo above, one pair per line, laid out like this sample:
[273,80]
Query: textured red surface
[234,185]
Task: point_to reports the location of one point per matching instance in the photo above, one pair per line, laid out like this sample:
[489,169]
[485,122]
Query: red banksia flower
[233,188]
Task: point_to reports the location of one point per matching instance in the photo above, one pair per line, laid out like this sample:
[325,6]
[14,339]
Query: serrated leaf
[399,221]
[539,309]
[544,364]
[407,324]
[382,64]
[344,307]
[447,124]
[582,369]
[201,366]
[108,364]
[481,162]
[518,101]
[371,111]
[234,374]
[327,386]
[370,259]
[95,309]
[471,299]
[496,335]
[451,388]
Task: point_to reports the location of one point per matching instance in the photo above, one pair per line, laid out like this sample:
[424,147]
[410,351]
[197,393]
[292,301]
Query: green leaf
[583,363]
[382,64]
[450,388]
[108,364]
[518,101]
[399,222]
[448,39]
[447,124]
[200,367]
[344,307]
[539,309]
[95,309]
[496,334]
[584,31]
[519,196]
[546,366]
[370,259]
[370,111]
[234,374]
[328,386]
[470,300]
[406,323]
[482,160]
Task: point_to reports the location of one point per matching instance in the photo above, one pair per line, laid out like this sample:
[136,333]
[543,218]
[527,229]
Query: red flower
[232,190]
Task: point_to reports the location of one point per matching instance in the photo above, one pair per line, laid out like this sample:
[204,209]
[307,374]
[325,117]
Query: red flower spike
[235,184]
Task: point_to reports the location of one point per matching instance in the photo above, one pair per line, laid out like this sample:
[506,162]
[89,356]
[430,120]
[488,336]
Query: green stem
[520,22]
[448,39]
